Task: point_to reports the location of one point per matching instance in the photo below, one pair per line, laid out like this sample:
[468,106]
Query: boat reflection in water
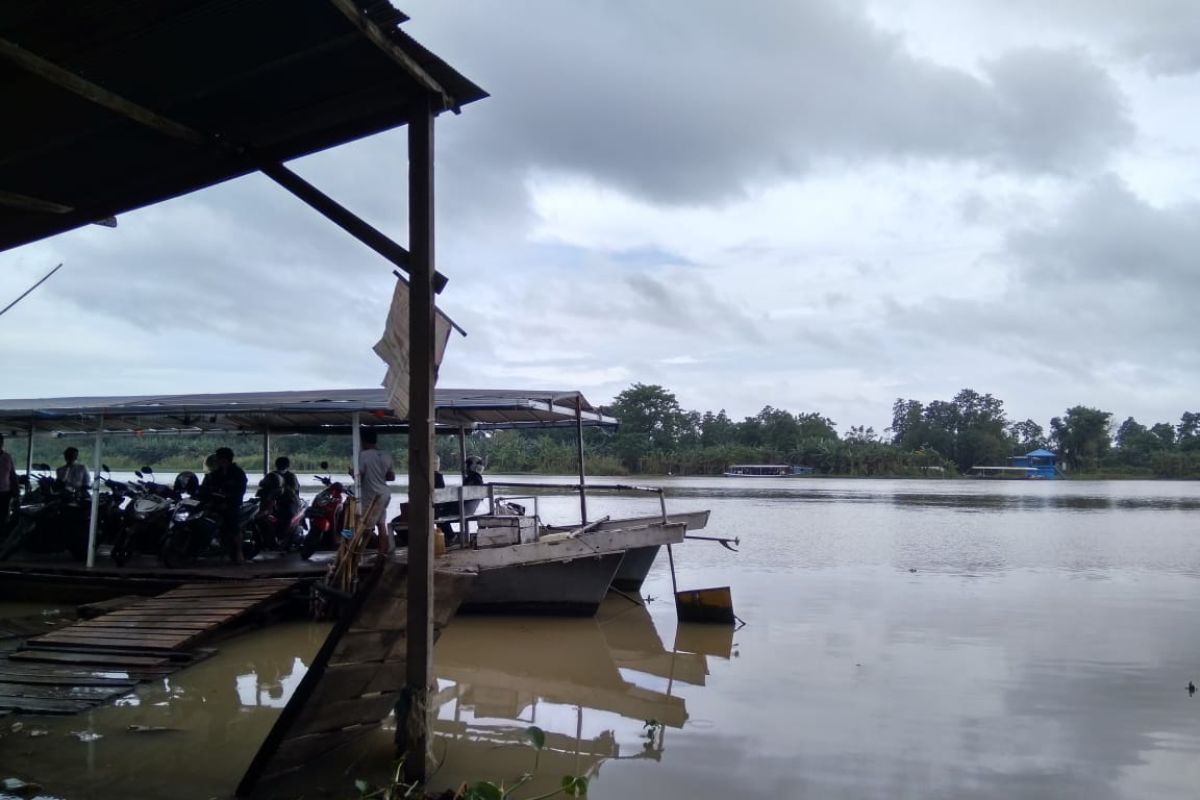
[591,685]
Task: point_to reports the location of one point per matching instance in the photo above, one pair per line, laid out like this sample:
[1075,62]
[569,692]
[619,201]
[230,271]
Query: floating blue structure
[1040,464]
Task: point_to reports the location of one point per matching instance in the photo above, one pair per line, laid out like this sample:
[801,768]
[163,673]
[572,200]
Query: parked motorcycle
[326,516]
[148,516]
[196,531]
[50,519]
[271,530]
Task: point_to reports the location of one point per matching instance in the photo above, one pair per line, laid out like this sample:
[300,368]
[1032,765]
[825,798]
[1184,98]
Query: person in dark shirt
[229,489]
[283,488]
[474,474]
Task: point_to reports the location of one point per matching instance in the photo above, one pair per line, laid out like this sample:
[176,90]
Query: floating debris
[151,728]
[39,732]
[19,787]
[86,736]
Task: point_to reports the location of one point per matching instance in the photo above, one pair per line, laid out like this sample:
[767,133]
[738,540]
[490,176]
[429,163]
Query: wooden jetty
[354,682]
[83,664]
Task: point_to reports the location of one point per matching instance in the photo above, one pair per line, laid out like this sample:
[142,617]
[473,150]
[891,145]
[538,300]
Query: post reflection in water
[602,689]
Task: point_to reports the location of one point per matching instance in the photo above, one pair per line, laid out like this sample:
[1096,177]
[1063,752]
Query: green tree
[1027,436]
[651,421]
[1082,436]
[1165,433]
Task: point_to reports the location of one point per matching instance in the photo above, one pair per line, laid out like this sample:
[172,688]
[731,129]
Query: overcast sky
[818,205]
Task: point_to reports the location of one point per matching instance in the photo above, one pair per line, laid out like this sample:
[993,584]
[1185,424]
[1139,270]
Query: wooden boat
[559,570]
[767,471]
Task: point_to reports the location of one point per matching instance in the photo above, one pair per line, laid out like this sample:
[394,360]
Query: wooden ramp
[353,683]
[86,663]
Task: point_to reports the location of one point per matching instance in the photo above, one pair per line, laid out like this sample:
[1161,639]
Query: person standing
[73,475]
[8,485]
[229,486]
[372,473]
[283,488]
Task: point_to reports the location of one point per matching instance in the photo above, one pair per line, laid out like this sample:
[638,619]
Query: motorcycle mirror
[104,468]
[138,472]
[148,470]
[324,465]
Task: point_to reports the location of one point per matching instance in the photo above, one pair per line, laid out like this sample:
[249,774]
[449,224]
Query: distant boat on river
[766,471]
[1034,465]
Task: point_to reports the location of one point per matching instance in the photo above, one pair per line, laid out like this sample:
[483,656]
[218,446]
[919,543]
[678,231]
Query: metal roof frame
[327,411]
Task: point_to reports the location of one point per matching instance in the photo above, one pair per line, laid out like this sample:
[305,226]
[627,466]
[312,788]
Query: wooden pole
[413,730]
[355,454]
[462,468]
[29,449]
[94,516]
[266,452]
[582,471]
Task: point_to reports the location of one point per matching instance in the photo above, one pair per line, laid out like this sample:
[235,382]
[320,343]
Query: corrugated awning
[112,106]
[293,412]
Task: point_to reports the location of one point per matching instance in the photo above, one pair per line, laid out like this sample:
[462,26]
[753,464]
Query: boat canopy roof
[1039,453]
[327,411]
[760,466]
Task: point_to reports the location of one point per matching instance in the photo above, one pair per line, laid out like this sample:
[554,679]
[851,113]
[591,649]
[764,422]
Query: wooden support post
[462,468]
[29,449]
[355,454]
[582,471]
[94,517]
[266,452]
[412,729]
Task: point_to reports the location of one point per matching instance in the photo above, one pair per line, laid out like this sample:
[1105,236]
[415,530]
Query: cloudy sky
[820,205]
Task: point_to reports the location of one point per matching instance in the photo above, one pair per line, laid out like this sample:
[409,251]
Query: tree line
[939,438]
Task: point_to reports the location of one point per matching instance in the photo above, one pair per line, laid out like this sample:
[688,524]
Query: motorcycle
[273,531]
[326,516]
[50,519]
[197,531]
[148,515]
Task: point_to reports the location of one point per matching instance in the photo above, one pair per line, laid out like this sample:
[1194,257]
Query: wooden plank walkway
[353,683]
[86,663]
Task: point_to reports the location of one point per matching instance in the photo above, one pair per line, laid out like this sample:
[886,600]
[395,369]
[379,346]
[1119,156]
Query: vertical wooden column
[94,517]
[413,725]
[29,448]
[582,470]
[355,454]
[266,452]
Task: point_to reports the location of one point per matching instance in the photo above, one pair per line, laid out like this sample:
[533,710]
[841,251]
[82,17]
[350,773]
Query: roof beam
[32,62]
[316,199]
[380,39]
[27,203]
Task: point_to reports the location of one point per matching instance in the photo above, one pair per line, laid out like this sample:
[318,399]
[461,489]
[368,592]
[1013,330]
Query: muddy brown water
[1041,648]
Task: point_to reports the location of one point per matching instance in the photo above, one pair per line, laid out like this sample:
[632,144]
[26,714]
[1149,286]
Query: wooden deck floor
[80,665]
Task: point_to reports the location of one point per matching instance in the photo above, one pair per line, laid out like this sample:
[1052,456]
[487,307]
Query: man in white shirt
[372,473]
[73,475]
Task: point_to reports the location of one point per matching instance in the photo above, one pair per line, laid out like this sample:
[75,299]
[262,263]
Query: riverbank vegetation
[938,438]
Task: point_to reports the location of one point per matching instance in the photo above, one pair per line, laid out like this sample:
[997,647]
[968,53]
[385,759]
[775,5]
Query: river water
[923,639]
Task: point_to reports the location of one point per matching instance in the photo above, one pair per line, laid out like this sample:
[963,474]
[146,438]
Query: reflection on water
[602,690]
[910,639]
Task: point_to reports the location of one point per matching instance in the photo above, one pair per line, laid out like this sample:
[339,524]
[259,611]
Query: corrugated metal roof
[326,411]
[259,80]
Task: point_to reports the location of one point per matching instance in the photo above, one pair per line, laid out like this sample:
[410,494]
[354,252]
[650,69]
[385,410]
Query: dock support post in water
[579,446]
[29,449]
[94,517]
[412,731]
